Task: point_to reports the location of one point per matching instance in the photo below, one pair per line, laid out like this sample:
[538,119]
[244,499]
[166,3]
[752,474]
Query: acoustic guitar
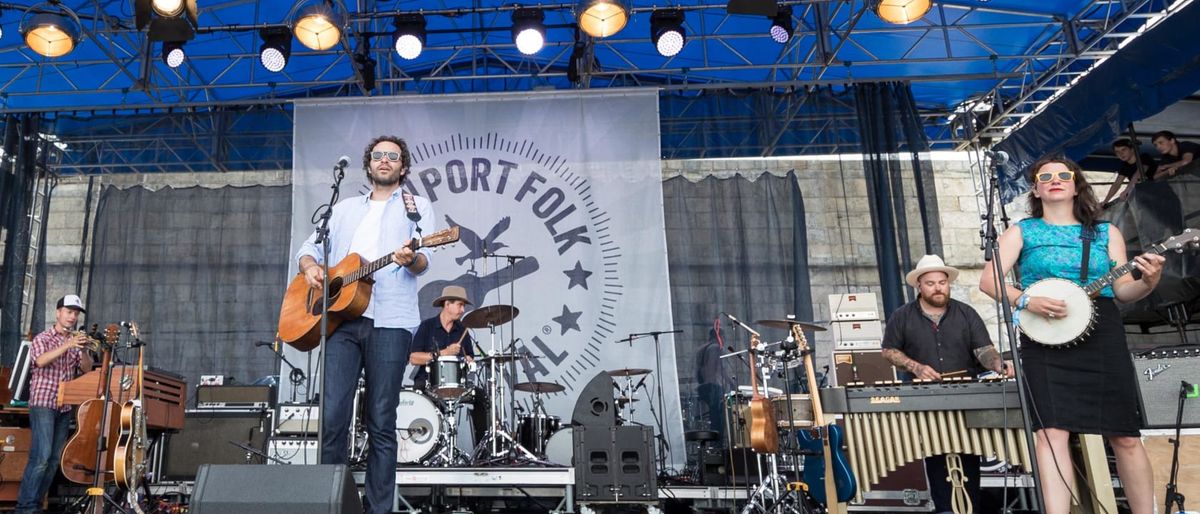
[78,461]
[349,284]
[129,455]
[764,433]
[826,469]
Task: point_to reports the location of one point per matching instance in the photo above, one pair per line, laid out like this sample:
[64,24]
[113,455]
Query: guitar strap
[1087,234]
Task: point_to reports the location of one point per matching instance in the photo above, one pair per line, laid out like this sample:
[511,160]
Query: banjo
[1081,313]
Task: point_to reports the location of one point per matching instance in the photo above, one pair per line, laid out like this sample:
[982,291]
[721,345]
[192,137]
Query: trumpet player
[58,354]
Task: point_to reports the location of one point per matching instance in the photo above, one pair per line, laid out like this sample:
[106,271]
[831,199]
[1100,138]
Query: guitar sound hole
[335,288]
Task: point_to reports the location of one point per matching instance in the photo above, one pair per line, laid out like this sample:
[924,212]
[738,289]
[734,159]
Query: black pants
[714,411]
[939,487]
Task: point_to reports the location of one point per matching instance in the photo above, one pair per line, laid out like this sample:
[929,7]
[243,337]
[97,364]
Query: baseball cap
[71,301]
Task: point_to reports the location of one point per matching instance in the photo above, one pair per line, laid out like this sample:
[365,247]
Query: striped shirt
[43,382]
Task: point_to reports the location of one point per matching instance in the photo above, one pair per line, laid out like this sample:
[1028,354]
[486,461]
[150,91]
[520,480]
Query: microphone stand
[1173,496]
[323,239]
[992,254]
[658,418]
[296,376]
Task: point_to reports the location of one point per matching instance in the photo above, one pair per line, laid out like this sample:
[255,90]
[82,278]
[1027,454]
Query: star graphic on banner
[568,320]
[578,276]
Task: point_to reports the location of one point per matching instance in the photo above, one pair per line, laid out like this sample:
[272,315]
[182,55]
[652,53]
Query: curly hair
[405,156]
[1086,208]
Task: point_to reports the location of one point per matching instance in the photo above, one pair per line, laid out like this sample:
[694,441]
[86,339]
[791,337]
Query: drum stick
[954,373]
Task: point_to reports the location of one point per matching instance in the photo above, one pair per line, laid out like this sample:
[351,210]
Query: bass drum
[418,424]
[560,448]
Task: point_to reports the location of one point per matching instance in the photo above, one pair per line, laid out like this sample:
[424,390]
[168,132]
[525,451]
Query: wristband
[1022,301]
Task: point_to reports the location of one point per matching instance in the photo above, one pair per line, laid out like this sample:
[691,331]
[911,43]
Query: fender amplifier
[1159,374]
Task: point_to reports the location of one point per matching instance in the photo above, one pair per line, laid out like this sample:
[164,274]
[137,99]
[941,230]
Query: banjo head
[1059,331]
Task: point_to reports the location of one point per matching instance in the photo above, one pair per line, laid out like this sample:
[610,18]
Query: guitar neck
[1094,287]
[371,267]
[813,391]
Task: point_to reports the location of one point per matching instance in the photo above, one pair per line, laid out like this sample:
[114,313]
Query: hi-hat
[539,387]
[627,372]
[490,316]
[786,324]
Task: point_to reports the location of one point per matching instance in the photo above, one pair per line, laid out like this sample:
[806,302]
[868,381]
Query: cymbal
[539,387]
[786,324]
[490,316]
[627,372]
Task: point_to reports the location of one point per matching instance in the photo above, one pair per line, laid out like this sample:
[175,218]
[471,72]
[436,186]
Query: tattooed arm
[902,361]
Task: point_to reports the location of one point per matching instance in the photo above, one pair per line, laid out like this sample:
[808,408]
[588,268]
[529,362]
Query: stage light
[318,25]
[902,12]
[529,30]
[276,48]
[666,31]
[172,53]
[167,8]
[409,36]
[781,25]
[601,18]
[50,34]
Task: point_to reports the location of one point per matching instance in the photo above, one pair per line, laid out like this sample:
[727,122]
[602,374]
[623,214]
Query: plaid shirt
[43,382]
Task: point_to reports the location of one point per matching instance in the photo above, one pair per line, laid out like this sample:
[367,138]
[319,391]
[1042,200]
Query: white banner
[570,181]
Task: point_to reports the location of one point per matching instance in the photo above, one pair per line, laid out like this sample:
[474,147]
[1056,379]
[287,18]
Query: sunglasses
[391,156]
[1062,176]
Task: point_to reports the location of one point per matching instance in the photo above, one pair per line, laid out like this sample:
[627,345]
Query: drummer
[445,335]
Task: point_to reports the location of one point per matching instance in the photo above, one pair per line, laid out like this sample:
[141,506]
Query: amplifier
[866,330]
[1159,374]
[865,366]
[857,345]
[229,397]
[853,307]
[294,450]
[298,419]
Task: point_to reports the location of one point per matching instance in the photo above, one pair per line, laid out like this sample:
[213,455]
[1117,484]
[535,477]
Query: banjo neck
[1093,288]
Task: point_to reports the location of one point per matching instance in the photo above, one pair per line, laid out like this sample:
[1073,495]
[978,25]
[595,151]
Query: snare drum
[534,431]
[448,376]
[418,424]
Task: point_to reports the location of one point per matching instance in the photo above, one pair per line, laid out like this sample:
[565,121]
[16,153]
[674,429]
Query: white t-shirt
[366,241]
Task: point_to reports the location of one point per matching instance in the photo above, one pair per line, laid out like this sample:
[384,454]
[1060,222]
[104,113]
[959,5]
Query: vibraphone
[889,425]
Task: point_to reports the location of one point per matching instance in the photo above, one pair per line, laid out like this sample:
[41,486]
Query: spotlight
[167,8]
[50,34]
[601,18]
[781,25]
[528,30]
[666,31]
[172,53]
[902,12]
[409,35]
[318,25]
[276,48]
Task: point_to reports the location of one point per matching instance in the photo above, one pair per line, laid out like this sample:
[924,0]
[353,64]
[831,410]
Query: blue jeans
[381,353]
[50,430]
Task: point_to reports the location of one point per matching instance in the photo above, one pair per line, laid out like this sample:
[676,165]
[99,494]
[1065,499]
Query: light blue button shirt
[394,295]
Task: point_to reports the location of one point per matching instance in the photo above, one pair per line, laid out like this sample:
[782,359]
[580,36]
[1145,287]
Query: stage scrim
[571,180]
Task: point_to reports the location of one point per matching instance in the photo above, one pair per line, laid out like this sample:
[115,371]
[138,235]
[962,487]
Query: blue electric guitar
[826,471]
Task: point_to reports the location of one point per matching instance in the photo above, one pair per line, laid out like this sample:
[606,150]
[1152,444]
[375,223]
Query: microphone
[743,325]
[999,157]
[640,384]
[342,162]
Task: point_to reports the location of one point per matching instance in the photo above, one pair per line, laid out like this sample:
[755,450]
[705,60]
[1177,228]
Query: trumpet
[93,344]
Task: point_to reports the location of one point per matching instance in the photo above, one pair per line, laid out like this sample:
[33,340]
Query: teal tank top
[1056,251]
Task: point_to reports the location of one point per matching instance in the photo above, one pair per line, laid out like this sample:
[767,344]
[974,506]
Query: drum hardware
[498,444]
[535,430]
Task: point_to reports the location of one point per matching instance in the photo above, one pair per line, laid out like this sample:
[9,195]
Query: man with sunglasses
[376,344]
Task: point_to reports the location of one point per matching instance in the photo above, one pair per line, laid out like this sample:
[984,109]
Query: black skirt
[1087,388]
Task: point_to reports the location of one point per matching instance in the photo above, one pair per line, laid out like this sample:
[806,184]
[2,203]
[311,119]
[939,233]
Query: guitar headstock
[441,237]
[133,330]
[112,334]
[801,340]
[1189,239]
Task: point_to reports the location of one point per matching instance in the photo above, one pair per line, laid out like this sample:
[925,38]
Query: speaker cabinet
[614,463]
[1158,376]
[207,438]
[323,489]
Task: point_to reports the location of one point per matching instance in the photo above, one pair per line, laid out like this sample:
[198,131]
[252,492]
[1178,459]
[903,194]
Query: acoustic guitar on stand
[349,284]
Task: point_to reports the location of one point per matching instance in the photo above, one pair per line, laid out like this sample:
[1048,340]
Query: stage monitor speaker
[322,489]
[866,366]
[595,406]
[207,438]
[1159,374]
[614,463]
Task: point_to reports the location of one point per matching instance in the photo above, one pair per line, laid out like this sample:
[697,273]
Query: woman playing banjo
[1088,387]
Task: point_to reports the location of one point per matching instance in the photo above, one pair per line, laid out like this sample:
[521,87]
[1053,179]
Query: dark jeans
[50,430]
[381,353]
[711,397]
[939,488]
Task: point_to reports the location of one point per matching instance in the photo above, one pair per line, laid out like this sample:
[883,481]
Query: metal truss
[962,55]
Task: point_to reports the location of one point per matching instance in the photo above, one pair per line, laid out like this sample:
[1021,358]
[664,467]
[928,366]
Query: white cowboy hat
[930,263]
